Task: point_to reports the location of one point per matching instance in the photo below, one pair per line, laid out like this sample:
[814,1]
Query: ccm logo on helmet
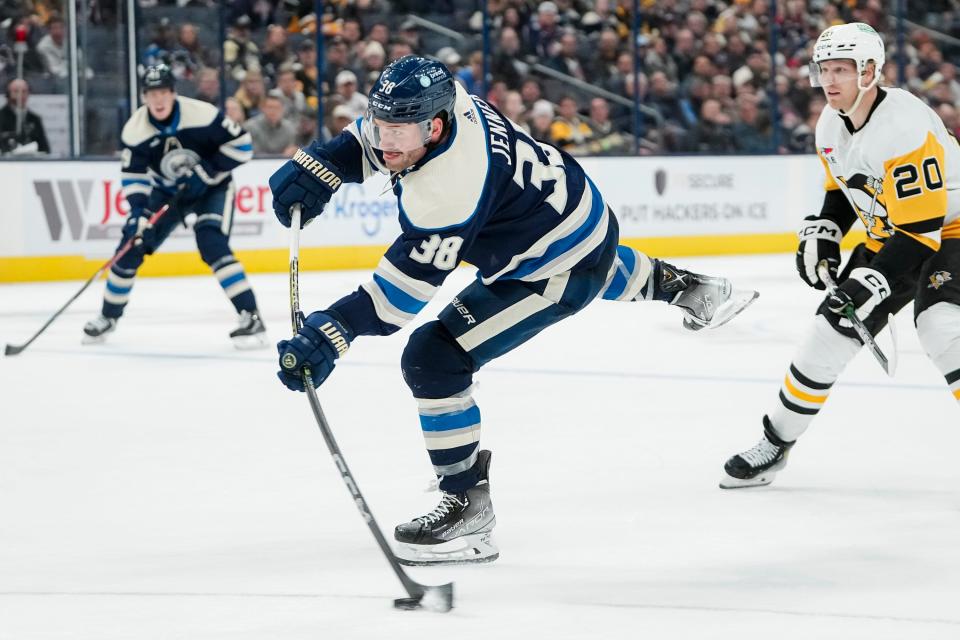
[318,169]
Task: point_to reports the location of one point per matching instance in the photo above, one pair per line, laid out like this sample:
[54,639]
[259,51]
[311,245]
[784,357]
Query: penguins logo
[938,279]
[289,361]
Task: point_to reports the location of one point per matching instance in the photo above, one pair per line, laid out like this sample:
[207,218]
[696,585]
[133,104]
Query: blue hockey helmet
[412,89]
[158,76]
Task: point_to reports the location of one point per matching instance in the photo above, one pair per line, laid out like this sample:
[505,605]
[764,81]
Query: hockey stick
[889,364]
[14,349]
[436,598]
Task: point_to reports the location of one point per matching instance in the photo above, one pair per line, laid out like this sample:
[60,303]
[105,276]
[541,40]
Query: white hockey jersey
[900,171]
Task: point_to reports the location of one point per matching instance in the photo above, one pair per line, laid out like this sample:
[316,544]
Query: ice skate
[758,466]
[458,531]
[251,334]
[706,301]
[95,331]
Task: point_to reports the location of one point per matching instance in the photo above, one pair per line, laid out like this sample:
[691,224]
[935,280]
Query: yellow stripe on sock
[807,397]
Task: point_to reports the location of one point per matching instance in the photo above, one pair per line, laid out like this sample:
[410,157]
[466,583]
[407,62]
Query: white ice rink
[164,485]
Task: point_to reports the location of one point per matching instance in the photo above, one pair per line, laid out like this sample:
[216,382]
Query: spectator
[567,59]
[513,108]
[190,56]
[294,102]
[506,64]
[240,54]
[603,65]
[544,34]
[449,57]
[471,76]
[751,130]
[399,49]
[336,61]
[161,44]
[531,92]
[606,139]
[713,133]
[234,110]
[272,134]
[305,71]
[52,48]
[663,97]
[541,120]
[208,86]
[374,58]
[276,51]
[251,93]
[568,129]
[340,118]
[347,94]
[21,130]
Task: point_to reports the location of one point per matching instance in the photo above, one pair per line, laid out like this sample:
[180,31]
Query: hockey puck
[407,604]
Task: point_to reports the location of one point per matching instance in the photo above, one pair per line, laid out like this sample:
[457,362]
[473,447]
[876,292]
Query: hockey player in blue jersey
[180,151]
[471,186]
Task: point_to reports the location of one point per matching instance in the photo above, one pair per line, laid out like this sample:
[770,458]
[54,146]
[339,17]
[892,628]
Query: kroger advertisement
[76,208]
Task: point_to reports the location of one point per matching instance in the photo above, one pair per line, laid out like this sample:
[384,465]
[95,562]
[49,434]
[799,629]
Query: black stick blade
[438,599]
[12,350]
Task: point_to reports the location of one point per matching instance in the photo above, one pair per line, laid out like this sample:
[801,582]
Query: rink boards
[62,220]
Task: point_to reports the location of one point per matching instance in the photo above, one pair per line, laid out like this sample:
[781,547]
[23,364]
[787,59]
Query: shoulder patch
[196,113]
[138,129]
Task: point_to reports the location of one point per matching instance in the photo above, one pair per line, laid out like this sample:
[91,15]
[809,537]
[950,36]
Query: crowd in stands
[705,80]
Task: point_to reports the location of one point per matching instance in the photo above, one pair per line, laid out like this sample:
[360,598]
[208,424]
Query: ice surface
[164,485]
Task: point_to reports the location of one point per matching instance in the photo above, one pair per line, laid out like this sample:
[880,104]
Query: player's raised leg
[706,301]
[212,229]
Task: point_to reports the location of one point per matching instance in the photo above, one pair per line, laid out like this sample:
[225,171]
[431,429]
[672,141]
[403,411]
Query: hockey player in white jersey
[471,186]
[180,151]
[890,163]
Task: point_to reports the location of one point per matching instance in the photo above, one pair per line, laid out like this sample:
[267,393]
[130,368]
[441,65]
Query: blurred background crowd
[591,76]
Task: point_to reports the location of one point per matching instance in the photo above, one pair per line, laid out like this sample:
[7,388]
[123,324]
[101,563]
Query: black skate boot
[95,331]
[757,466]
[456,532]
[706,301]
[251,334]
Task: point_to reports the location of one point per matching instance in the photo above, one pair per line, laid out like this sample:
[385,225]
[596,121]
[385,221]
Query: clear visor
[401,138]
[836,74]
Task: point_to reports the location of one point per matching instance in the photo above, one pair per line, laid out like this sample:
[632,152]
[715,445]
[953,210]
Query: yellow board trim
[802,395]
[39,268]
[956,394]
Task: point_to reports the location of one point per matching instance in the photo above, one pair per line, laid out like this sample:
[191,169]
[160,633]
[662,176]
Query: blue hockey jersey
[197,136]
[489,195]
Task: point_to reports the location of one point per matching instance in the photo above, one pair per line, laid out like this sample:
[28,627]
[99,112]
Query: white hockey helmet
[855,41]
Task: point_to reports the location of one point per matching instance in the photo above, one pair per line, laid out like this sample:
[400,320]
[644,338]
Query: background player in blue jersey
[471,186]
[180,151]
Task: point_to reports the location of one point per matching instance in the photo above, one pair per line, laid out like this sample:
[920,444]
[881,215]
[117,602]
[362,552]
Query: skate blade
[735,304]
[93,339]
[250,343]
[762,480]
[476,548]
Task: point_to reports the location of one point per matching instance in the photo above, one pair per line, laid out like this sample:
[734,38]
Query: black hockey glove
[191,186]
[819,240]
[308,179]
[320,341]
[862,292]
